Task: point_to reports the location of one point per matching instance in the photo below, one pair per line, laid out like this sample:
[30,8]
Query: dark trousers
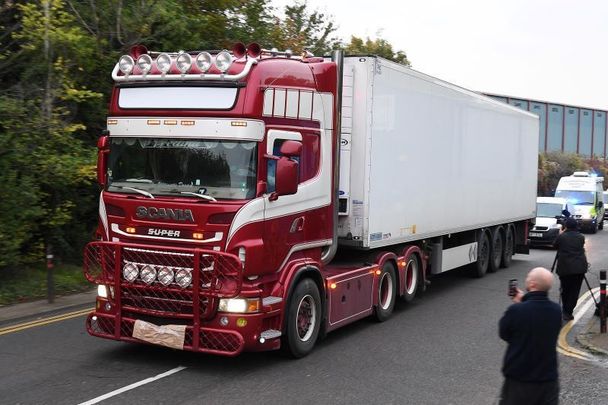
[571,287]
[529,393]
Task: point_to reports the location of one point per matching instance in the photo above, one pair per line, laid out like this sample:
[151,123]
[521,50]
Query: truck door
[291,221]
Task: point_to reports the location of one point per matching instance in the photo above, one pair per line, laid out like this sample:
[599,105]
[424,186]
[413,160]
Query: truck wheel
[303,319]
[387,292]
[480,267]
[507,255]
[412,278]
[496,250]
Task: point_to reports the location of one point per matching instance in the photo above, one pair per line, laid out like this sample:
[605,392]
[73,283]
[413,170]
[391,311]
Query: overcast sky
[551,50]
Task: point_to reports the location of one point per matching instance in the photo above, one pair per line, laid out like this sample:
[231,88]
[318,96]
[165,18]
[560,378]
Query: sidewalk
[16,312]
[591,338]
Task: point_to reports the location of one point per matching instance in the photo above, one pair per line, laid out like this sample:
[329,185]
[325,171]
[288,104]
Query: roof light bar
[183,62]
[203,61]
[163,63]
[223,61]
[125,64]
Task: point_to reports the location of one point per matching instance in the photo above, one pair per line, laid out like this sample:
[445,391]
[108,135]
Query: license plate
[166,335]
[536,235]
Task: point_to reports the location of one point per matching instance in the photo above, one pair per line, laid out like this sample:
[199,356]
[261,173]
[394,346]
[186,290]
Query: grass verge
[30,284]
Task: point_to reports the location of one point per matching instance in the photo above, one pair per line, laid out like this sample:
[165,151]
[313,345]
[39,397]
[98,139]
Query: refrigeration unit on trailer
[256,200]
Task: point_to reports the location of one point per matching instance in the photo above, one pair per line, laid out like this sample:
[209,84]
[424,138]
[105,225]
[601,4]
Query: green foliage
[302,30]
[554,165]
[30,283]
[379,46]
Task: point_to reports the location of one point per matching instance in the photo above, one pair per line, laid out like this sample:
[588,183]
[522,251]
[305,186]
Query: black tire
[412,278]
[600,225]
[387,293]
[480,267]
[507,255]
[299,339]
[593,229]
[496,250]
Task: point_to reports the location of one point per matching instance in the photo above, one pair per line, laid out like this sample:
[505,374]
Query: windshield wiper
[206,197]
[143,192]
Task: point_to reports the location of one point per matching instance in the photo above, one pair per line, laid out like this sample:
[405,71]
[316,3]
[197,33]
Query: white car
[549,220]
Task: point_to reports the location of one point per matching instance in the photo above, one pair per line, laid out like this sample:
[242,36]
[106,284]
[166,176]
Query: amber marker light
[112,122]
[170,122]
[153,122]
[253,306]
[187,123]
[131,229]
[378,272]
[333,286]
[241,322]
[238,123]
[197,235]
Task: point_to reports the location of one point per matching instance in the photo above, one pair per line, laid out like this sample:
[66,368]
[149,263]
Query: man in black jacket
[530,326]
[571,265]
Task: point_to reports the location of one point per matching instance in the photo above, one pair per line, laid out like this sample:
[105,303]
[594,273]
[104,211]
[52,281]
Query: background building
[566,128]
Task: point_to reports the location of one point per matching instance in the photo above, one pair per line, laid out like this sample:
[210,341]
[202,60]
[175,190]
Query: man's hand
[518,296]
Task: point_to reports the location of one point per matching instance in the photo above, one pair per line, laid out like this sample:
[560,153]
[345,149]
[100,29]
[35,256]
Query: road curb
[583,338]
[16,313]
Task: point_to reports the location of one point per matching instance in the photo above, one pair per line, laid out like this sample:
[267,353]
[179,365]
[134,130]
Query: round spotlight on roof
[203,61]
[223,61]
[125,64]
[163,62]
[144,62]
[239,50]
[183,62]
[254,50]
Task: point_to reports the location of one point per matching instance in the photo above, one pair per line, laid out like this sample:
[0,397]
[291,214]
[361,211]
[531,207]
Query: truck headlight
[239,305]
[104,291]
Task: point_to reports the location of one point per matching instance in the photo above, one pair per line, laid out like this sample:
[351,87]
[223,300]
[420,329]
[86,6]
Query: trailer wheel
[303,319]
[480,267]
[507,255]
[496,250]
[387,292]
[412,278]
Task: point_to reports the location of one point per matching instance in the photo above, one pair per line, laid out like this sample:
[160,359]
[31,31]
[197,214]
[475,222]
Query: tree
[44,161]
[302,30]
[379,46]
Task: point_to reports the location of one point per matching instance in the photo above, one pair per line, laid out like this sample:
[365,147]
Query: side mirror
[291,149]
[103,150]
[286,178]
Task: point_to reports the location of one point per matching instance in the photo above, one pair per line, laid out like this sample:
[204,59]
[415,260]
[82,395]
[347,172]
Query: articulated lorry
[256,200]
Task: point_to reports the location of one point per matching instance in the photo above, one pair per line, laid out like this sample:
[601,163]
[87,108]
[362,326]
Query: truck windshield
[577,197]
[548,210]
[220,169]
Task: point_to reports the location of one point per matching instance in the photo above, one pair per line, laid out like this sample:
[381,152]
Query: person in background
[530,327]
[571,266]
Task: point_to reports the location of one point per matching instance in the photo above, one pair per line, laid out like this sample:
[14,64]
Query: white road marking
[132,386]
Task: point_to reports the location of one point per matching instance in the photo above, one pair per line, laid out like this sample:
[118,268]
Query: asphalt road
[442,349]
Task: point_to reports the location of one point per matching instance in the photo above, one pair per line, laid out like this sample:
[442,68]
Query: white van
[549,220]
[584,193]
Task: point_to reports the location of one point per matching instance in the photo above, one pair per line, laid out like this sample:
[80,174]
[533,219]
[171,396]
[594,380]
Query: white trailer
[423,159]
